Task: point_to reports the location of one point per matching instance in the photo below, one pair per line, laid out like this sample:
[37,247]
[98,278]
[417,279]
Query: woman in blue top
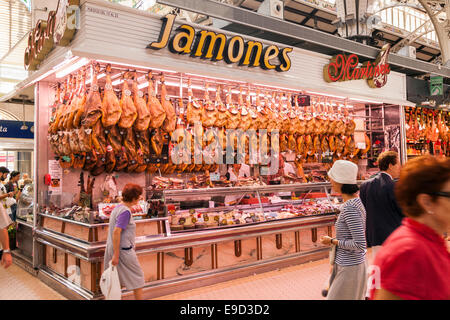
[348,278]
[121,242]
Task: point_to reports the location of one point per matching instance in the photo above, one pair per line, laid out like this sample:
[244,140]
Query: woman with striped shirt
[348,278]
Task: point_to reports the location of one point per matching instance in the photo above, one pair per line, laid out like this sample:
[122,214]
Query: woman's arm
[116,245]
[356,226]
[6,195]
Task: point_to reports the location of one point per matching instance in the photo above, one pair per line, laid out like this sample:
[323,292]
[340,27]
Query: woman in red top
[414,261]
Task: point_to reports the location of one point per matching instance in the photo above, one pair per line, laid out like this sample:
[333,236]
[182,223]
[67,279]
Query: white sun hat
[344,172]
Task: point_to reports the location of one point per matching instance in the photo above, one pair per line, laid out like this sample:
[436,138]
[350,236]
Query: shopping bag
[110,283]
[10,201]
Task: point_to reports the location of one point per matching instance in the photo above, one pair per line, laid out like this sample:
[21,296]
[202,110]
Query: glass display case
[213,208]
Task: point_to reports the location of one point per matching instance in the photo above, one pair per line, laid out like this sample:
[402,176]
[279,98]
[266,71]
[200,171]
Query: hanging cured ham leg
[143,113]
[114,139]
[194,109]
[246,119]
[129,143]
[234,114]
[129,112]
[170,122]
[81,104]
[157,112]
[111,110]
[93,109]
[209,115]
[99,144]
[222,112]
[72,109]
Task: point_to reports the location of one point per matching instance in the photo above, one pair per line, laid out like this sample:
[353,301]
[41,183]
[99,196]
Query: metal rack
[374,124]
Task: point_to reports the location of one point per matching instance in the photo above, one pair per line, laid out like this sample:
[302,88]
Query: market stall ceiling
[15,22]
[306,14]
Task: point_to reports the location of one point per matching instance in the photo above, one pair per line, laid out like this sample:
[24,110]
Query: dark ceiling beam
[434,57]
[308,16]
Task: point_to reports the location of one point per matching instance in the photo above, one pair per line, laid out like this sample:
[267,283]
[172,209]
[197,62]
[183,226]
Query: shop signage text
[344,68]
[59,29]
[216,46]
[12,129]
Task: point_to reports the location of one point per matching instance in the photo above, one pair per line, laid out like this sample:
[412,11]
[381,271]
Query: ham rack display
[113,126]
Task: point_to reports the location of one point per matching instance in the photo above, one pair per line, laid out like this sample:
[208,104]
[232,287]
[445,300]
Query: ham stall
[120,99]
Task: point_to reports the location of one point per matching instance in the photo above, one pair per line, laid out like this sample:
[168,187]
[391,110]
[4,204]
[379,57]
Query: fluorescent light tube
[71,68]
[135,66]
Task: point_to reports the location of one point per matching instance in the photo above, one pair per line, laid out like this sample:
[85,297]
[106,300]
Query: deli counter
[185,248]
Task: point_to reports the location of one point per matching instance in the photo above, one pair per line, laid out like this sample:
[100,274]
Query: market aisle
[301,282]
[17,284]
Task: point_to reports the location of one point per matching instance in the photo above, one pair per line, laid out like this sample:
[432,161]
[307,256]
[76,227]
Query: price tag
[213,176]
[302,100]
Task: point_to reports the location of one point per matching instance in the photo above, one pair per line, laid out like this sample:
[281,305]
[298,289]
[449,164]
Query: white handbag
[110,283]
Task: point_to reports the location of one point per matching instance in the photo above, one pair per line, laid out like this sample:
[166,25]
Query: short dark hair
[4,170]
[131,192]
[425,174]
[14,173]
[386,158]
[349,188]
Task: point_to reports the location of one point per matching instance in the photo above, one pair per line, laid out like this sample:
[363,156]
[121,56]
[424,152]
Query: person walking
[120,245]
[13,186]
[5,253]
[414,261]
[348,277]
[377,195]
[6,198]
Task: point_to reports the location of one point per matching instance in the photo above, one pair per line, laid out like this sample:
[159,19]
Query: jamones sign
[216,46]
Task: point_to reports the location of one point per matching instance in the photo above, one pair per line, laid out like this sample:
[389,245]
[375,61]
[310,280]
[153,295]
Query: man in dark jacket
[377,195]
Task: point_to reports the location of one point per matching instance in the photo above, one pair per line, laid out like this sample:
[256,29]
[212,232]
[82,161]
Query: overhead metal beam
[291,30]
[308,17]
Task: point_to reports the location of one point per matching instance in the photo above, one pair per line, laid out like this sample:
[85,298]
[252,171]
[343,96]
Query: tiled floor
[17,284]
[302,282]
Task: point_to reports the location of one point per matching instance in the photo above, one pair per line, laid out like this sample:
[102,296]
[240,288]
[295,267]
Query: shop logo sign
[216,47]
[345,68]
[59,29]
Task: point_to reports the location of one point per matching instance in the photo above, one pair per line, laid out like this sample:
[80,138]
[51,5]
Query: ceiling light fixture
[326,95]
[135,66]
[365,100]
[71,68]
